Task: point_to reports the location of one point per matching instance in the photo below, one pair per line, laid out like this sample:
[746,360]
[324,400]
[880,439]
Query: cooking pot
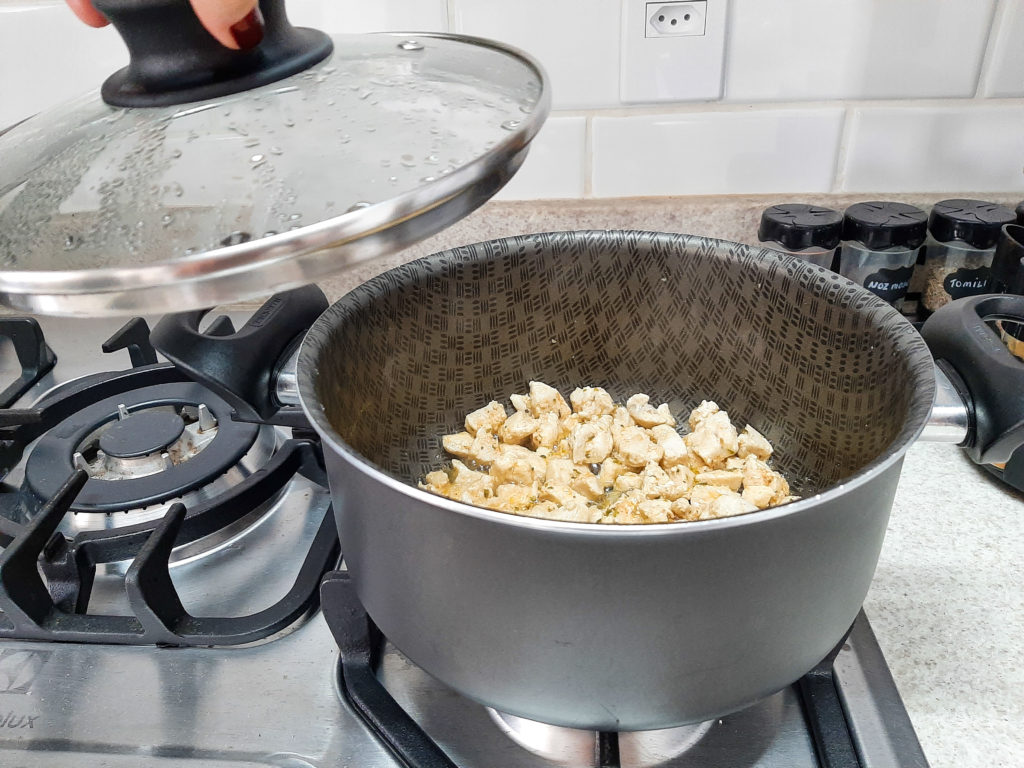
[614,627]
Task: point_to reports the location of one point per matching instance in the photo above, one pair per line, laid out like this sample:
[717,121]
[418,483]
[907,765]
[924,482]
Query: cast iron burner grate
[46,578]
[361,645]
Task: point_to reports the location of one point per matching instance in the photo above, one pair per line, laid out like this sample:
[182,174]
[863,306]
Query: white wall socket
[672,51]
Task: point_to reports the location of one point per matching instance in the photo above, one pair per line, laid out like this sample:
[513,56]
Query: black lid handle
[959,334]
[174,59]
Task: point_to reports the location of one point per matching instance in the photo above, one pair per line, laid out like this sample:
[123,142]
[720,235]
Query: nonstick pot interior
[834,377]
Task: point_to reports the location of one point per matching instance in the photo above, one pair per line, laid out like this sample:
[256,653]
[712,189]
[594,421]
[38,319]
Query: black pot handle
[174,59]
[959,335]
[241,366]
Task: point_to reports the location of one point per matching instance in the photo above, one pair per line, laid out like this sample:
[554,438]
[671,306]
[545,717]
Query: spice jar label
[889,284]
[967,282]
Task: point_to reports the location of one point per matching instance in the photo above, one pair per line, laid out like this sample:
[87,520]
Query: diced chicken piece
[758,495]
[735,462]
[621,417]
[713,441]
[628,481]
[672,445]
[576,512]
[753,443]
[681,479]
[756,472]
[559,472]
[635,448]
[681,509]
[626,510]
[655,510]
[701,412]
[514,498]
[546,433]
[610,469]
[592,442]
[646,415]
[733,504]
[562,495]
[540,509]
[490,417]
[484,449]
[659,484]
[516,464]
[436,481]
[469,486]
[517,427]
[730,479]
[520,402]
[459,444]
[545,399]
[701,497]
[586,483]
[591,402]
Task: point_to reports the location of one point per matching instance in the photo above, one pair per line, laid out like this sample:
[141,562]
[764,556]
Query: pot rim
[921,369]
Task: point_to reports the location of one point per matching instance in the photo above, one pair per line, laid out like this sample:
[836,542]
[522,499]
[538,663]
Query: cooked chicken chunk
[607,463]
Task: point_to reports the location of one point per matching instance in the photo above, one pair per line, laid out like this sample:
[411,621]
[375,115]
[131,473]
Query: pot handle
[174,59]
[959,337]
[244,366]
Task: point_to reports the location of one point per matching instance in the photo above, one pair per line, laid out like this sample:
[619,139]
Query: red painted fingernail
[248,32]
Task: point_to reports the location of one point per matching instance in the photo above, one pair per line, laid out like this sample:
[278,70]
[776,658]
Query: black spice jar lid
[1020,214]
[974,222]
[879,225]
[798,226]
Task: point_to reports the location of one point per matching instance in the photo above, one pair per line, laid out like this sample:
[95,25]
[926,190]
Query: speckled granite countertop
[947,605]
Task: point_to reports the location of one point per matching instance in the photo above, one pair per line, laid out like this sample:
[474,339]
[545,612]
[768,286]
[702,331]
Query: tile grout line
[839,172]
[1000,10]
[588,158]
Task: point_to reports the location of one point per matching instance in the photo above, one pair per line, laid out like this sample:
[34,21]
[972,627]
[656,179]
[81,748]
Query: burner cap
[142,434]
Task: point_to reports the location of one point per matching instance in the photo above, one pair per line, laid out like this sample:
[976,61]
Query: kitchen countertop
[947,605]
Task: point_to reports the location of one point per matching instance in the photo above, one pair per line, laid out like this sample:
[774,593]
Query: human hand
[236,24]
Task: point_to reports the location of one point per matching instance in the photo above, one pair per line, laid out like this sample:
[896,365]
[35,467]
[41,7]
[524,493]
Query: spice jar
[1020,214]
[810,232]
[962,236]
[880,244]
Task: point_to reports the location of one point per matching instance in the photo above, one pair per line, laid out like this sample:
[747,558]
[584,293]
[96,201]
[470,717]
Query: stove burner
[141,434]
[143,446]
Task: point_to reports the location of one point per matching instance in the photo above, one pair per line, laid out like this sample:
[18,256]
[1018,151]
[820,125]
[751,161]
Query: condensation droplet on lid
[270,233]
[176,153]
[428,178]
[393,179]
[344,139]
[236,238]
[294,217]
[511,125]
[177,190]
[276,151]
[526,109]
[358,206]
[257,160]
[408,161]
[70,243]
[166,219]
[411,45]
[289,123]
[253,142]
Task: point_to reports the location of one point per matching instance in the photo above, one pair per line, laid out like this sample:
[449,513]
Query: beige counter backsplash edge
[728,217]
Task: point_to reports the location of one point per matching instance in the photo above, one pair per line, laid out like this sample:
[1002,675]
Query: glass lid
[108,210]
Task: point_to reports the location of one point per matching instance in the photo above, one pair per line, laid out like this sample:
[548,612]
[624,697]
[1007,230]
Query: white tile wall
[855,49]
[1004,74]
[47,56]
[936,149]
[353,16]
[957,67]
[556,164]
[577,42]
[728,152]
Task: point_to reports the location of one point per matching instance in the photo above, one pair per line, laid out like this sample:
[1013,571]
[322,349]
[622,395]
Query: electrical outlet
[676,19]
[672,51]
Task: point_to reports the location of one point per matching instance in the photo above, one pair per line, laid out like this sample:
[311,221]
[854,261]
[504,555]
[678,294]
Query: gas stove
[164,562]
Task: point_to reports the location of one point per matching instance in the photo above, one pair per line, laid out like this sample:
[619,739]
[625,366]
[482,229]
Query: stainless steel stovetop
[279,701]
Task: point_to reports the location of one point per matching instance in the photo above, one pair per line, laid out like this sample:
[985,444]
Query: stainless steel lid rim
[445,82]
[920,367]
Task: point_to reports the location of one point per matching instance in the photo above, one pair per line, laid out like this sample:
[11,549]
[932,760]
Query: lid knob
[174,60]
